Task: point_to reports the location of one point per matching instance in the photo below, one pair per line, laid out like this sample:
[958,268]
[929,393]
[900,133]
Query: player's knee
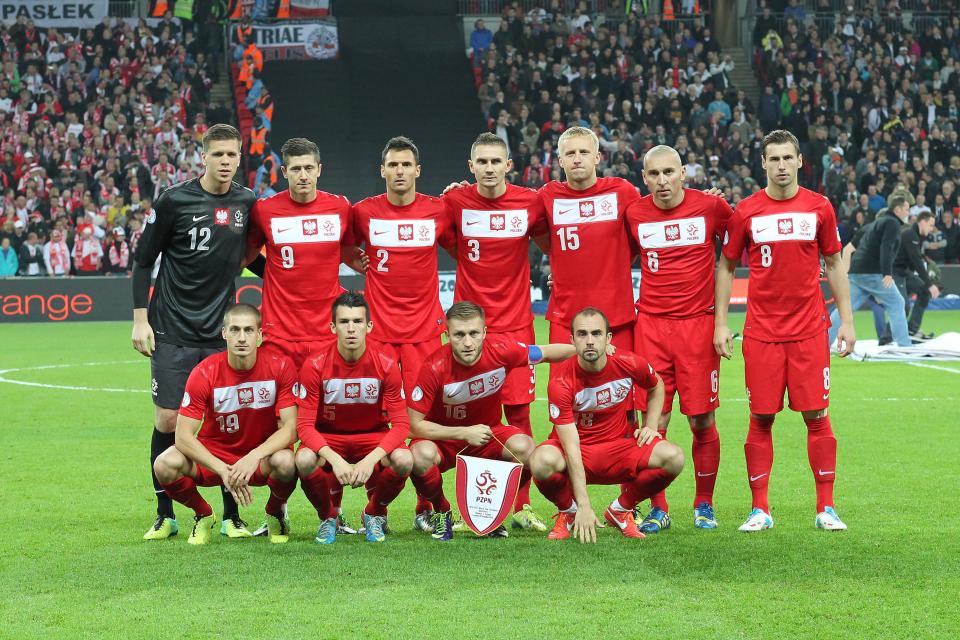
[521,446]
[814,415]
[702,421]
[165,420]
[168,464]
[424,455]
[544,462]
[667,456]
[401,461]
[306,461]
[283,466]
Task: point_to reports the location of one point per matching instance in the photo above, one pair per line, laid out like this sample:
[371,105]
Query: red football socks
[316,487]
[758,450]
[518,415]
[184,491]
[706,462]
[389,485]
[648,483]
[279,494]
[430,486]
[822,454]
[658,500]
[557,490]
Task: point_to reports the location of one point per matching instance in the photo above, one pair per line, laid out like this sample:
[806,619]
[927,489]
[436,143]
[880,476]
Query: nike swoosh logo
[648,235]
[622,525]
[564,212]
[379,233]
[826,395]
[223,400]
[755,478]
[534,390]
[713,399]
[705,475]
[470,224]
[825,473]
[762,230]
[198,218]
[284,230]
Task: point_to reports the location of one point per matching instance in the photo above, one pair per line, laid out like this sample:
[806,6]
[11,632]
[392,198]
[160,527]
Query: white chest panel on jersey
[601,208]
[305,229]
[479,386]
[402,233]
[494,224]
[778,227]
[603,397]
[672,233]
[248,395]
[351,391]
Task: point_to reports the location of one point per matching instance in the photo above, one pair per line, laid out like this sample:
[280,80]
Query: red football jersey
[238,408]
[590,251]
[784,240]
[594,402]
[492,240]
[452,394]
[402,286]
[336,396]
[677,259]
[301,279]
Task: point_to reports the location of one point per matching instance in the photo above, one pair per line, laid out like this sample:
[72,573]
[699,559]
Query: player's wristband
[534,354]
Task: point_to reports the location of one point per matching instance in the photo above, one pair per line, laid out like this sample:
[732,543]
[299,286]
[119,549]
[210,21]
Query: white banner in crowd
[309,8]
[485,491]
[317,40]
[55,13]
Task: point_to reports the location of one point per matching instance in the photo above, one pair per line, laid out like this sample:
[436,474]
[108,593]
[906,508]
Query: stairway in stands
[401,71]
[743,76]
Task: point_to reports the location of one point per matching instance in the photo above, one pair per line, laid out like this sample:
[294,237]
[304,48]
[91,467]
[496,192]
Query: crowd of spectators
[871,93]
[93,125]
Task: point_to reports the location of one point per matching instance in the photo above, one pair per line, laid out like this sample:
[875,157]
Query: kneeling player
[591,442]
[232,399]
[456,406]
[348,393]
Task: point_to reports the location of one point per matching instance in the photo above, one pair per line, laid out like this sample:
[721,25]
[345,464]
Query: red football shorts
[622,336]
[802,368]
[493,450]
[681,350]
[520,386]
[297,350]
[354,447]
[613,461]
[412,355]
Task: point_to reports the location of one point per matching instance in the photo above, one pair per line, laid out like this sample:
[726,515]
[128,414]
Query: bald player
[676,230]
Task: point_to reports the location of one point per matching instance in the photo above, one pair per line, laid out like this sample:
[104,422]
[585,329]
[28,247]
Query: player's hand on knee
[478,435]
[585,525]
[646,435]
[143,339]
[723,341]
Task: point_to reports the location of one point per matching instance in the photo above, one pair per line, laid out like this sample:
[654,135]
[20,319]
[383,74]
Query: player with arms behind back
[588,242]
[489,230]
[676,230]
[227,430]
[302,229]
[785,229]
[400,230]
[348,394]
[200,227]
[591,444]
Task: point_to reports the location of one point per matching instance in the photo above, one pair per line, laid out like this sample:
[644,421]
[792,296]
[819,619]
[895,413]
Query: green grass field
[76,500]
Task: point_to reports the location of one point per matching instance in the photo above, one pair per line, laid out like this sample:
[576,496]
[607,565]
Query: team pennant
[486,490]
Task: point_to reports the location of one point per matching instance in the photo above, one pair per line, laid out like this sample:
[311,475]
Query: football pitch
[77,499]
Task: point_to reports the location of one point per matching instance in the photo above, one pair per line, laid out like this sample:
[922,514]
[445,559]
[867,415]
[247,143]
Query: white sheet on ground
[945,347]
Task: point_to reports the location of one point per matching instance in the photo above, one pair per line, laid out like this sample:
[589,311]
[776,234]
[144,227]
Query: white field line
[43,385]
